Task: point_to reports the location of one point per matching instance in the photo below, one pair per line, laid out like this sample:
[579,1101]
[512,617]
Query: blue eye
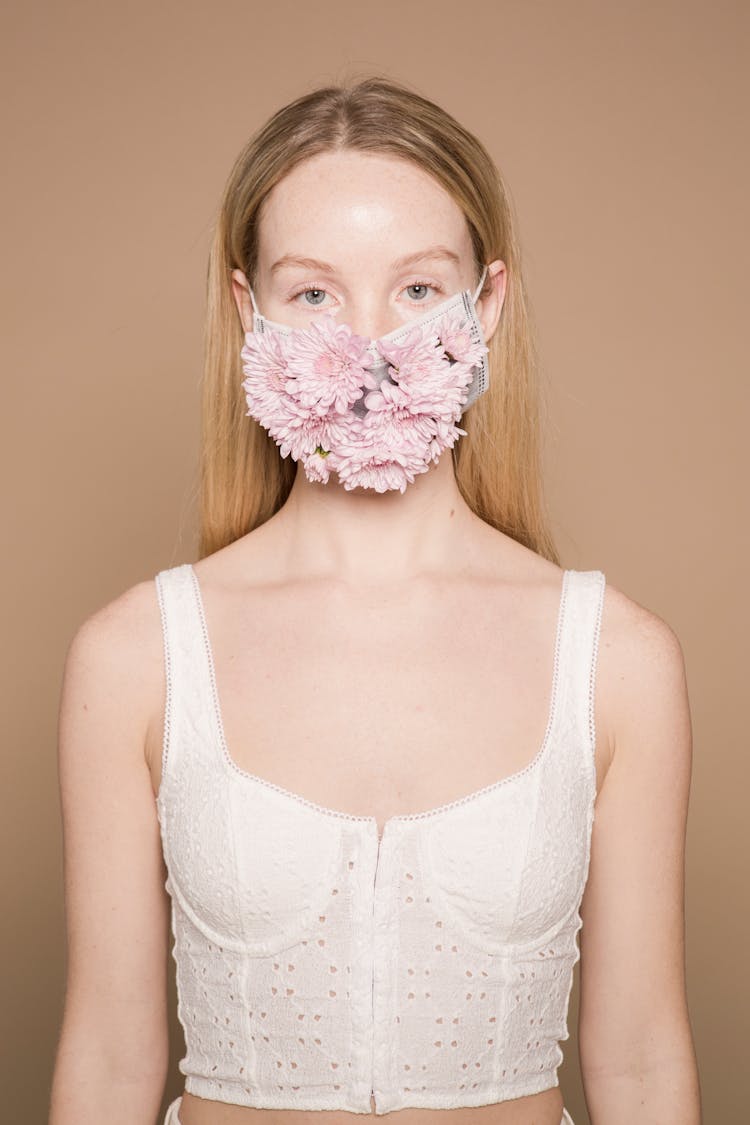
[422,285]
[418,290]
[305,292]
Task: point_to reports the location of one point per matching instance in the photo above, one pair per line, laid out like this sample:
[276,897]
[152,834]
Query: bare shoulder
[124,634]
[114,660]
[641,678]
[640,648]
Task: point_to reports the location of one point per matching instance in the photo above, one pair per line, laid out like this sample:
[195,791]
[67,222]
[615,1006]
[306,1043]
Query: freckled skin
[359,212]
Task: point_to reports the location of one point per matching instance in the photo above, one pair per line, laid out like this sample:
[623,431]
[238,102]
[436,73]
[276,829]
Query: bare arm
[112,1055]
[637,1055]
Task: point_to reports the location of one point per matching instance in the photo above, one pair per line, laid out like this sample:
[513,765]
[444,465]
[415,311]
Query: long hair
[243,478]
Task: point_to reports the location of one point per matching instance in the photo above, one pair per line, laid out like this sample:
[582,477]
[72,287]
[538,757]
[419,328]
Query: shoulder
[119,630]
[641,650]
[113,666]
[641,677]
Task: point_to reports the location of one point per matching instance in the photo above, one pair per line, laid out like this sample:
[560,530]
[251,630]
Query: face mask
[377,412]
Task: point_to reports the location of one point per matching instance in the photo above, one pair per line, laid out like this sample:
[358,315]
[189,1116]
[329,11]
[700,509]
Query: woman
[370,731]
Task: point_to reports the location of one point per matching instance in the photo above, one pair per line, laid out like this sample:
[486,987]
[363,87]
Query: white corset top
[318,965]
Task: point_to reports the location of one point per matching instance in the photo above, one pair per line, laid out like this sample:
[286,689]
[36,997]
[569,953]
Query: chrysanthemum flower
[416,354]
[389,396]
[445,437]
[442,392]
[316,466]
[379,468]
[300,435]
[437,389]
[388,451]
[326,365]
[264,364]
[455,337]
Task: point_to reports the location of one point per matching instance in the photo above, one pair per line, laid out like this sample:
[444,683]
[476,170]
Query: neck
[370,538]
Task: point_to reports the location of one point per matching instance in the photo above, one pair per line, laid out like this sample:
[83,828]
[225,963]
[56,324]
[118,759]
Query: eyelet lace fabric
[319,965]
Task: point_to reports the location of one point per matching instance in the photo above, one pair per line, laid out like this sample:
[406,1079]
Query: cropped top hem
[354,1100]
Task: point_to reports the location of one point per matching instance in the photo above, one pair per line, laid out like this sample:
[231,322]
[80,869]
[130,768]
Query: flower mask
[377,412]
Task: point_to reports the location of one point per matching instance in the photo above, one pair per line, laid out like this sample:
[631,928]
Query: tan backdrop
[618,126]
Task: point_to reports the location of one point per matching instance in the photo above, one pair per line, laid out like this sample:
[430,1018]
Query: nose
[369,315]
[371,323]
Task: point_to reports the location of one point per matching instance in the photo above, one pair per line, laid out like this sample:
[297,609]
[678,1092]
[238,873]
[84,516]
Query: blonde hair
[243,478]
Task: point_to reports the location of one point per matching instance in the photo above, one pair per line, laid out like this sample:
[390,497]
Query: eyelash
[411,285]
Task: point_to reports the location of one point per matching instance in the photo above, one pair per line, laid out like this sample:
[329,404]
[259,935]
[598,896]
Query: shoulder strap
[579,645]
[189,727]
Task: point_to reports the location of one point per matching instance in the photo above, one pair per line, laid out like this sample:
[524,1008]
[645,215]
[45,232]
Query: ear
[490,304]
[241,294]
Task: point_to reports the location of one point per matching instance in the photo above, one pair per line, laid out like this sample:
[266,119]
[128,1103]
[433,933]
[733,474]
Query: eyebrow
[434,252]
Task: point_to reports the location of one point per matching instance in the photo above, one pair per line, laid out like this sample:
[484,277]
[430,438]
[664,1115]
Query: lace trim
[594,659]
[160,593]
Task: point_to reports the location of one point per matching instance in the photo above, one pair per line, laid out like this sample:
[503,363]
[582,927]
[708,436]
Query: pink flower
[416,355]
[437,390]
[301,434]
[264,364]
[389,396]
[383,475]
[434,382]
[378,468]
[456,339]
[316,467]
[387,452]
[327,364]
[402,431]
[442,392]
[446,436]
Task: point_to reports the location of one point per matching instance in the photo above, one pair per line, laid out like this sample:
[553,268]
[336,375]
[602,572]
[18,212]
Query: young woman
[379,755]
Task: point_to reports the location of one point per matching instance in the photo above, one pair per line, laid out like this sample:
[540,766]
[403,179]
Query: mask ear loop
[478,289]
[256,310]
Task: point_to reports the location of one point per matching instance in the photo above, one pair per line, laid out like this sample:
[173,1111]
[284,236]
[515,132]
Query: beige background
[619,128]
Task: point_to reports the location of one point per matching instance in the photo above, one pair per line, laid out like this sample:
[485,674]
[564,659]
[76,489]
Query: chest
[384,704]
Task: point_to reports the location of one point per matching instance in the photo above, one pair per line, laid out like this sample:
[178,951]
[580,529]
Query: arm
[637,1054]
[112,1055]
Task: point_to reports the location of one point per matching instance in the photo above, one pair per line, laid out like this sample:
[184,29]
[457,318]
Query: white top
[318,965]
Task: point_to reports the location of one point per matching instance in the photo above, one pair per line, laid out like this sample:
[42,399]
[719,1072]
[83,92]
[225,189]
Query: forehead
[339,205]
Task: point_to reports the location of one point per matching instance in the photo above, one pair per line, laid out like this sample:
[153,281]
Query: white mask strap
[252,298]
[478,289]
